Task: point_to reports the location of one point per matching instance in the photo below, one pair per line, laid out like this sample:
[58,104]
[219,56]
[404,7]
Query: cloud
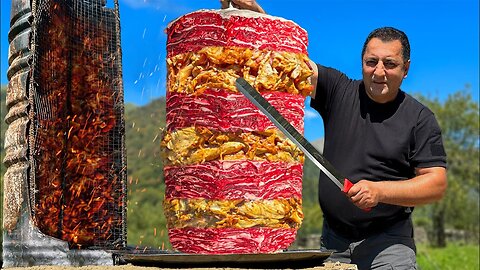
[311,114]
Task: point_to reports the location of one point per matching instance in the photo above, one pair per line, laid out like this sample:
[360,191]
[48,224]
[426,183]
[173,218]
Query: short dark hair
[390,34]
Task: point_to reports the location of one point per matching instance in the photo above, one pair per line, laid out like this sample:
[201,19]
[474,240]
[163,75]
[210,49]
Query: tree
[458,117]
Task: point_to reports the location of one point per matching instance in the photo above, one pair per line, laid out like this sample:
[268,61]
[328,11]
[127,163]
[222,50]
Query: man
[387,143]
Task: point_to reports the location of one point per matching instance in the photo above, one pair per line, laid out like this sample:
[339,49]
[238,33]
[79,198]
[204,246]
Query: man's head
[390,34]
[385,63]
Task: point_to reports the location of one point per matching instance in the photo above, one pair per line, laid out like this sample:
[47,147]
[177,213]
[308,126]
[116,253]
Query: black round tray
[285,259]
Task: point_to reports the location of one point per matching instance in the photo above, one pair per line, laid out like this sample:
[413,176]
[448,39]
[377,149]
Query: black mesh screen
[77,130]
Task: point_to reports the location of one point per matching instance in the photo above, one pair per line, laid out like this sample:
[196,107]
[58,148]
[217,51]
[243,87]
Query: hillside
[144,127]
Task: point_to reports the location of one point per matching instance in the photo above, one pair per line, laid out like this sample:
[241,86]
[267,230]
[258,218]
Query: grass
[454,256]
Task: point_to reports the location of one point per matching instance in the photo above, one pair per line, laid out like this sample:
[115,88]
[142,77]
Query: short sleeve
[330,83]
[428,149]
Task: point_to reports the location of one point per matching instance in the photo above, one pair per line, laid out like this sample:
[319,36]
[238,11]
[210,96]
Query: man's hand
[225,3]
[243,4]
[428,186]
[364,194]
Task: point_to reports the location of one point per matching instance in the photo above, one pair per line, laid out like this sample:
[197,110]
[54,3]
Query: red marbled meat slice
[229,112]
[231,240]
[228,180]
[200,29]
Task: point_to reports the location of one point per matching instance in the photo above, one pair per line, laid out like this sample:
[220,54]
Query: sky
[444,38]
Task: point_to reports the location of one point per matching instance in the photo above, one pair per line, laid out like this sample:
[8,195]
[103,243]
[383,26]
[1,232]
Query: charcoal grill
[65,184]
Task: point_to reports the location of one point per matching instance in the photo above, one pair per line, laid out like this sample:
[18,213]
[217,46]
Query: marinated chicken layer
[219,67]
[199,144]
[201,213]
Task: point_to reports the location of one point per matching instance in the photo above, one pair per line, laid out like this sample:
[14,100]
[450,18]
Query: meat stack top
[233,180]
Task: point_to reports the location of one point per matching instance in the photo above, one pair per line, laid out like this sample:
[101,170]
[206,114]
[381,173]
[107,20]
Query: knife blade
[281,123]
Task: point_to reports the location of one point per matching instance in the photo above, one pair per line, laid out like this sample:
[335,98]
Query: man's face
[383,69]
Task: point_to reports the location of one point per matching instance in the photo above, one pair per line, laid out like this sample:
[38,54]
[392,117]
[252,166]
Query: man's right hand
[243,4]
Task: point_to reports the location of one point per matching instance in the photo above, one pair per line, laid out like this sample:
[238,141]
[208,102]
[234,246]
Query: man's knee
[396,256]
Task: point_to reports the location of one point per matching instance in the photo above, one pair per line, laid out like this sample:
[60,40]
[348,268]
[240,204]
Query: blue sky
[444,37]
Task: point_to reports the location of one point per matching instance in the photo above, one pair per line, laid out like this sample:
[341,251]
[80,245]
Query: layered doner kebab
[233,180]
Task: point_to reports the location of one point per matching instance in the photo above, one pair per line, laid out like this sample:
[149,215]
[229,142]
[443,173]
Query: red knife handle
[347,185]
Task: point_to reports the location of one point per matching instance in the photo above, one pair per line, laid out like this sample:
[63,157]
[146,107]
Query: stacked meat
[233,180]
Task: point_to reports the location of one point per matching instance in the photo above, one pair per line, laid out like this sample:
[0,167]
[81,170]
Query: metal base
[27,246]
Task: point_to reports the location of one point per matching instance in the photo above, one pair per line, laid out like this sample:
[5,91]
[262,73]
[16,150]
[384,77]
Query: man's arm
[243,4]
[314,78]
[428,186]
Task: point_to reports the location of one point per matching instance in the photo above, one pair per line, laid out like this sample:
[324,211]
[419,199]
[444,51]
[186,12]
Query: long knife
[308,149]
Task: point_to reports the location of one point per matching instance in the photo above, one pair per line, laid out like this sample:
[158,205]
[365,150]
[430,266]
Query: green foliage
[144,127]
[313,220]
[313,216]
[146,225]
[452,257]
[458,116]
[310,182]
[146,222]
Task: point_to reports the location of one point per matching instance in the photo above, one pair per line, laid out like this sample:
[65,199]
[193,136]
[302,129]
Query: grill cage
[77,180]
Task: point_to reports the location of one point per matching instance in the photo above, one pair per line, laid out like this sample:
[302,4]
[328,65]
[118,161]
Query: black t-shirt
[373,141]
